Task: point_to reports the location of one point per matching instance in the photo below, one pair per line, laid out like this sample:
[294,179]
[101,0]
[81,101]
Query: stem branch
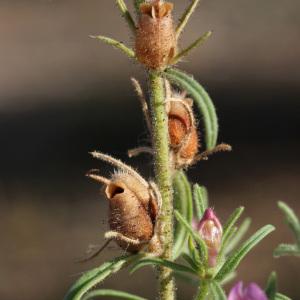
[163,180]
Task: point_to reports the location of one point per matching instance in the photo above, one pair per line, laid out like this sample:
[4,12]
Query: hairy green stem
[163,180]
[203,290]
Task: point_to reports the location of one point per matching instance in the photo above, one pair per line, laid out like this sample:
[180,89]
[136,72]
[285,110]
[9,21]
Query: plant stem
[203,290]
[163,180]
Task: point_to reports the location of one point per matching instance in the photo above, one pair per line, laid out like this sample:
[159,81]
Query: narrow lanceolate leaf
[196,237]
[161,262]
[111,293]
[93,277]
[287,250]
[233,261]
[118,45]
[126,14]
[203,101]
[185,17]
[271,287]
[228,278]
[282,297]
[238,236]
[190,261]
[291,219]
[185,52]
[230,224]
[183,202]
[217,291]
[200,200]
[187,278]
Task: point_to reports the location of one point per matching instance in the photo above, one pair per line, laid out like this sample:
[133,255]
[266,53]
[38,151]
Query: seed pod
[183,133]
[155,43]
[130,212]
[133,206]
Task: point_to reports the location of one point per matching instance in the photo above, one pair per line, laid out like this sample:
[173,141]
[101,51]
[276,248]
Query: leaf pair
[95,276]
[294,224]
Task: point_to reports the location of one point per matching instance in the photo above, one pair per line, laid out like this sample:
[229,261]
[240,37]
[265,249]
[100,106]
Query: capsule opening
[113,189]
[160,9]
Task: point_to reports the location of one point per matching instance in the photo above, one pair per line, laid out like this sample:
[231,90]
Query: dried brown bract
[133,207]
[155,43]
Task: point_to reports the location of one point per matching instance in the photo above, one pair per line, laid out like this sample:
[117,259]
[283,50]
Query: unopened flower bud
[155,43]
[210,230]
[250,292]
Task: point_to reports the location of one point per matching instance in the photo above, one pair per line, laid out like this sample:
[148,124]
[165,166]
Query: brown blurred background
[63,94]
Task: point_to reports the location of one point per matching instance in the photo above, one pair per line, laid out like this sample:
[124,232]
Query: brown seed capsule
[130,213]
[183,134]
[133,206]
[155,43]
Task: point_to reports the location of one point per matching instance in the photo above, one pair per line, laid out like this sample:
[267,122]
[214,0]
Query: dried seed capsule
[155,43]
[133,207]
[184,140]
[183,135]
[129,211]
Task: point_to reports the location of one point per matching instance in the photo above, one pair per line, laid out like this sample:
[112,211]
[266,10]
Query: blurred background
[63,94]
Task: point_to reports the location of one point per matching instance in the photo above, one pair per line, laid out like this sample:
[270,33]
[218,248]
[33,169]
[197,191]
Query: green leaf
[233,261]
[196,237]
[183,202]
[217,291]
[230,224]
[271,287]
[194,254]
[291,219]
[191,47]
[200,200]
[237,237]
[286,250]
[228,278]
[190,261]
[282,297]
[161,262]
[93,277]
[185,17]
[202,100]
[186,278]
[118,45]
[126,14]
[111,293]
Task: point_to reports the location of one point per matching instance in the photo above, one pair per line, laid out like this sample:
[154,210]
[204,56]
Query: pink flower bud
[210,230]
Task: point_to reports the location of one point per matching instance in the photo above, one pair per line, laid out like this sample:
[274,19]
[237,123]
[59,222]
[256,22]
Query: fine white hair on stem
[119,236]
[157,194]
[142,98]
[116,162]
[137,151]
[168,89]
